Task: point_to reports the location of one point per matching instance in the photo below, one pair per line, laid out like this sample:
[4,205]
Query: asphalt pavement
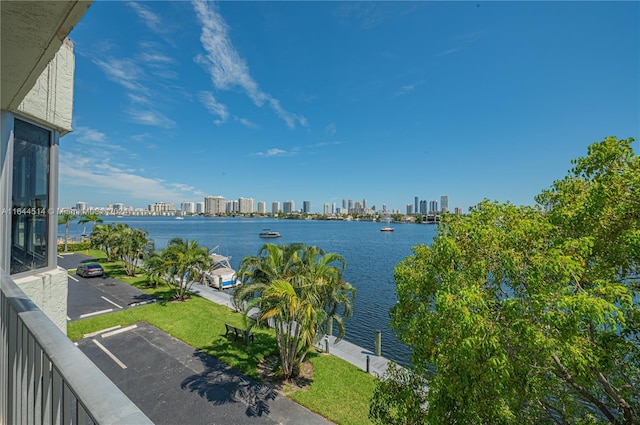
[92,296]
[175,384]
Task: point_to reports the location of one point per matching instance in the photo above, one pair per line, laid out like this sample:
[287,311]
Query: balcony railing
[44,378]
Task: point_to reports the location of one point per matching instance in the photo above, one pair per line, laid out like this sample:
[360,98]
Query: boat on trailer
[221,275]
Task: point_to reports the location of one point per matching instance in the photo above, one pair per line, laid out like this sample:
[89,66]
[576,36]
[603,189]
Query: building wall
[48,290]
[50,104]
[50,101]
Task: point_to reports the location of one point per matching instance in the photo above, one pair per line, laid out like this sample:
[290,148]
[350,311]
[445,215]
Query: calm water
[370,254]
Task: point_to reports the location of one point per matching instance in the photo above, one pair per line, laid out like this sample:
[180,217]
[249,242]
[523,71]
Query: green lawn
[339,391]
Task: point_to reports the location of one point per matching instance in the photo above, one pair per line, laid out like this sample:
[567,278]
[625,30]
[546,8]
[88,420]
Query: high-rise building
[232,207]
[444,203]
[288,207]
[458,210]
[199,207]
[82,207]
[423,207]
[275,207]
[188,207]
[262,207]
[415,203]
[245,205]
[433,206]
[350,206]
[214,205]
[333,208]
[326,208]
[364,204]
[409,209]
[344,203]
[384,207]
[306,207]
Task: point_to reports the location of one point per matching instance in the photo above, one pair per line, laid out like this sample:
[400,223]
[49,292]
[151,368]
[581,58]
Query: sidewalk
[345,350]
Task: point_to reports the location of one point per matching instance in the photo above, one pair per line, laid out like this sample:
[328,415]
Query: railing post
[378,343]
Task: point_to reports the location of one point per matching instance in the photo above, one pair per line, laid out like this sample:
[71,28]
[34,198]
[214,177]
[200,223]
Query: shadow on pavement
[220,384]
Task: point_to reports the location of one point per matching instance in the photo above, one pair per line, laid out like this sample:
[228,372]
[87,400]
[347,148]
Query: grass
[339,391]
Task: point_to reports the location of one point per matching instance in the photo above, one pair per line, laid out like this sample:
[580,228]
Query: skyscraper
[409,209]
[288,207]
[245,205]
[306,207]
[444,203]
[188,207]
[215,205]
[262,207]
[415,203]
[433,206]
[275,207]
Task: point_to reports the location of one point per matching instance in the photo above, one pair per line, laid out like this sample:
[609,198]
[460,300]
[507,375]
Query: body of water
[371,256]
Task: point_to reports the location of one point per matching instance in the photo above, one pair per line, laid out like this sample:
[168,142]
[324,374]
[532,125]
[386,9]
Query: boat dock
[345,350]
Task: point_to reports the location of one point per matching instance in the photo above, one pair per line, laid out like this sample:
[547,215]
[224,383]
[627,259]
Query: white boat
[386,229]
[221,275]
[179,218]
[266,233]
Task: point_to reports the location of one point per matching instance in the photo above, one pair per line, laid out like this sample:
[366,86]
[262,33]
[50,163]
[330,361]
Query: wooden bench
[237,332]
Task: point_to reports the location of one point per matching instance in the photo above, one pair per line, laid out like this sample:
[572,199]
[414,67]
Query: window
[30,197]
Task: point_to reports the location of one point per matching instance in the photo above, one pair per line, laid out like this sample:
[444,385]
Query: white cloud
[79,170]
[275,152]
[89,135]
[147,16]
[227,68]
[213,106]
[408,88]
[122,71]
[149,117]
[245,122]
[330,129]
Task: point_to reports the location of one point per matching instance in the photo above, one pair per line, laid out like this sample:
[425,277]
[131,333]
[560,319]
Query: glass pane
[30,197]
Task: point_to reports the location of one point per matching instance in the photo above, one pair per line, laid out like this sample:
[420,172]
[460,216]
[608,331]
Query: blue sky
[322,101]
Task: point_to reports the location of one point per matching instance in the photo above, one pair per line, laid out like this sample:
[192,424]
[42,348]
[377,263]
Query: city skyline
[312,100]
[214,205]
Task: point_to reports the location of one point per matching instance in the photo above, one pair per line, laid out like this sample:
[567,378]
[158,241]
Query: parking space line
[92,334]
[119,331]
[110,354]
[109,301]
[60,256]
[73,278]
[109,310]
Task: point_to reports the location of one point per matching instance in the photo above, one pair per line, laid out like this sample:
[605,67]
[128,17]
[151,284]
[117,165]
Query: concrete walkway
[345,350]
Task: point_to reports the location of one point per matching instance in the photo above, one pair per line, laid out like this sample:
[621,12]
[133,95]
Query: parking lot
[174,384]
[97,295]
[171,382]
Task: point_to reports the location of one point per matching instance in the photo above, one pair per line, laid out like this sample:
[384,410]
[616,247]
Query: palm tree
[90,218]
[184,262]
[133,244]
[66,218]
[296,288]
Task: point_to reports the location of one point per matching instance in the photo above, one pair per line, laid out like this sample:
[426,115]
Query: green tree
[184,262]
[66,218]
[90,218]
[296,289]
[399,398]
[521,315]
[132,245]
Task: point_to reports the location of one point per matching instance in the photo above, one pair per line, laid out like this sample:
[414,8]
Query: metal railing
[45,378]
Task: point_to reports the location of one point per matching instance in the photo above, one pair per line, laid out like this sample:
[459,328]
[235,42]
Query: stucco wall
[50,101]
[48,290]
